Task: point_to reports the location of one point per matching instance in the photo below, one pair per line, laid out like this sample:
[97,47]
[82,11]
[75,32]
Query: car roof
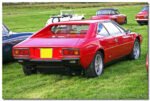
[108,9]
[81,22]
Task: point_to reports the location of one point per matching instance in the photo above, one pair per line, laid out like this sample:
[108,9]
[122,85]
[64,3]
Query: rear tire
[7,53]
[140,23]
[82,18]
[96,67]
[136,51]
[29,70]
[56,18]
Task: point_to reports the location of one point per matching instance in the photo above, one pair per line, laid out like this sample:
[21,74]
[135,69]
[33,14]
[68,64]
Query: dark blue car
[9,40]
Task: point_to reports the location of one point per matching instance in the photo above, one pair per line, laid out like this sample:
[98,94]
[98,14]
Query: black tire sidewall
[140,23]
[132,53]
[102,62]
[82,18]
[55,18]
[90,71]
[7,50]
[28,70]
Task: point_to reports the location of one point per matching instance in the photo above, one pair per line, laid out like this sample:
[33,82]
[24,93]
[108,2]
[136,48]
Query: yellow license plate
[46,52]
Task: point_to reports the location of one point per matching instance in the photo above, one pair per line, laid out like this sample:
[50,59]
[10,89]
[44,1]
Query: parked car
[9,40]
[65,15]
[85,45]
[112,14]
[142,16]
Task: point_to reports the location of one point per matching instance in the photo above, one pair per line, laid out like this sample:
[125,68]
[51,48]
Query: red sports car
[85,45]
[112,14]
[142,16]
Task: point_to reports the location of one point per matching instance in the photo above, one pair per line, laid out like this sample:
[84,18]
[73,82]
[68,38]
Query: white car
[65,15]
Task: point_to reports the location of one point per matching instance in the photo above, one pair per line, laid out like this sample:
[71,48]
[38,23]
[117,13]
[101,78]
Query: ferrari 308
[85,45]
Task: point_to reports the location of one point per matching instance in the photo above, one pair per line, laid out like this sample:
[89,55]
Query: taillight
[146,17]
[113,17]
[21,52]
[71,51]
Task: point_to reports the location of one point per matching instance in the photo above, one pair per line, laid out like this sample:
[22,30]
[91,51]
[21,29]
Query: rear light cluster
[146,17]
[71,52]
[113,18]
[21,52]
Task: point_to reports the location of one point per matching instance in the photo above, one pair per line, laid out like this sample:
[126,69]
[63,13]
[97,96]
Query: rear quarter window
[101,30]
[111,28]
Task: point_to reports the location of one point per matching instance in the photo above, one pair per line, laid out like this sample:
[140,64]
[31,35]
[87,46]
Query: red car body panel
[87,44]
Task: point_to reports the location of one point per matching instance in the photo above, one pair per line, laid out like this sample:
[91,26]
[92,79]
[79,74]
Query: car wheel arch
[137,37]
[98,48]
[102,51]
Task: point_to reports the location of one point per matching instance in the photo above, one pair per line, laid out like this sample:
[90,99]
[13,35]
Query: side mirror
[128,31]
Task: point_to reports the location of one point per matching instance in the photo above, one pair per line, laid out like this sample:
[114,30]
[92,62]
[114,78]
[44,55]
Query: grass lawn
[124,79]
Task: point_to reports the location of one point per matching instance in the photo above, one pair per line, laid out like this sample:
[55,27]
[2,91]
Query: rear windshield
[104,12]
[145,8]
[63,31]
[70,29]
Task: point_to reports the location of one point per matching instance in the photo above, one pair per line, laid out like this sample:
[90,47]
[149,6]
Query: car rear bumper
[66,62]
[141,20]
